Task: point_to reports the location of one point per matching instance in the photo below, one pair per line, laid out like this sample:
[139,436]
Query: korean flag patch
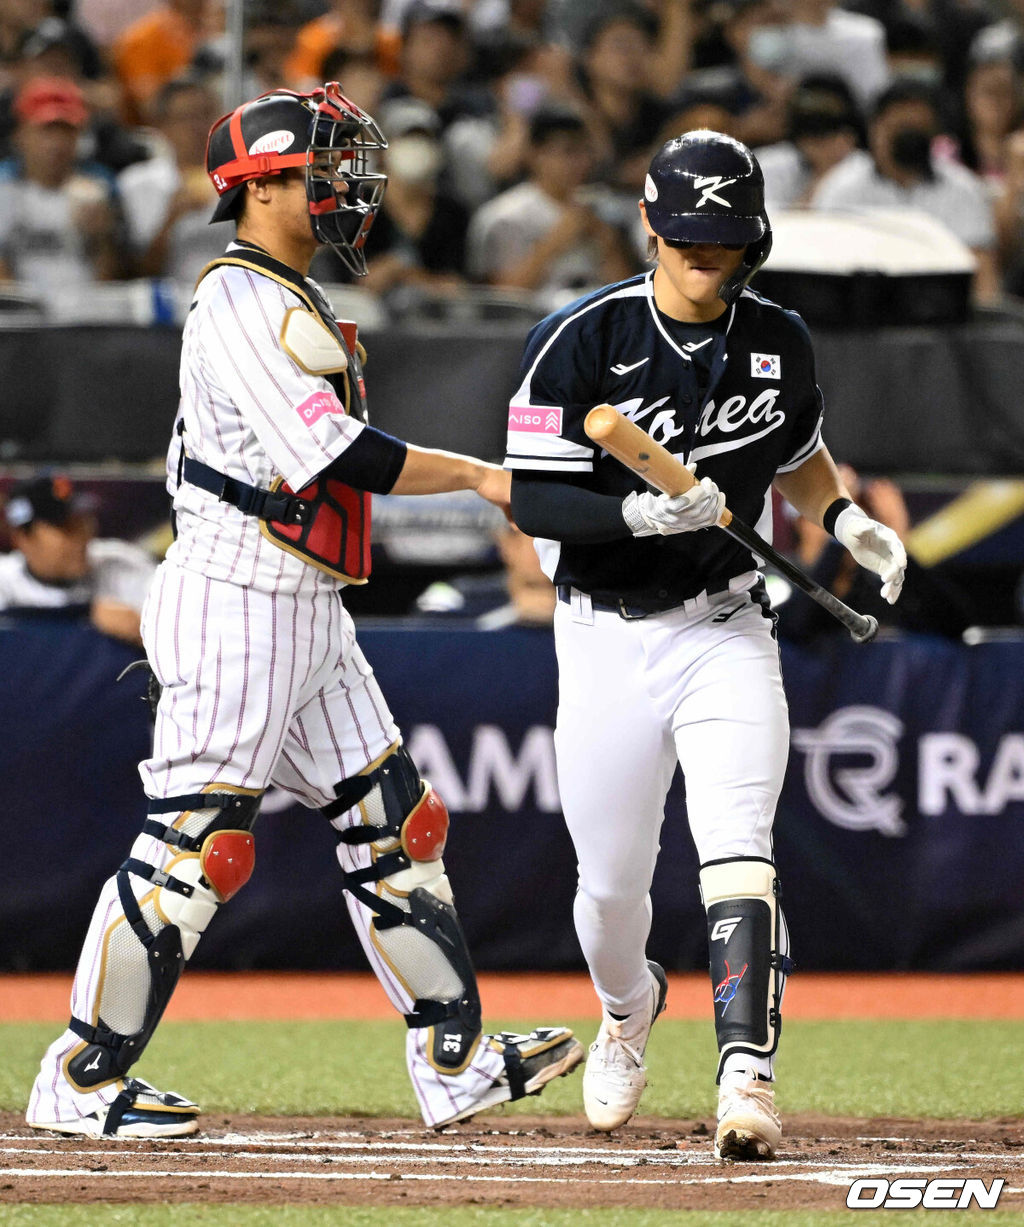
[765,366]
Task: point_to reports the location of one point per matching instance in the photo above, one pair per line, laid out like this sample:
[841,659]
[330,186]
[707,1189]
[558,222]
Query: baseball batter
[665,639]
[270,469]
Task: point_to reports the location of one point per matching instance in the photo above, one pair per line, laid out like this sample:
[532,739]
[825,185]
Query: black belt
[631,611]
[266,504]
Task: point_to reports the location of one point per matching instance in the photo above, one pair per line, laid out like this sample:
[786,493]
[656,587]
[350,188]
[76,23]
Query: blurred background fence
[925,399]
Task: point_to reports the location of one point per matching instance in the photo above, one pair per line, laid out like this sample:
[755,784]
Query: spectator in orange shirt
[351,24]
[157,48]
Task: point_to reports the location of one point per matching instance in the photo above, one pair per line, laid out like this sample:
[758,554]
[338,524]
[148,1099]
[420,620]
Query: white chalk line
[823,1178]
[550,1157]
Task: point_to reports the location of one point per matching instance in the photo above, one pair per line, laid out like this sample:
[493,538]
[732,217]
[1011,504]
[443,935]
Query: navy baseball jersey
[736,395]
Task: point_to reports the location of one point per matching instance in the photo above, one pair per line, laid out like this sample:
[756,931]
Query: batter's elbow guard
[748,947]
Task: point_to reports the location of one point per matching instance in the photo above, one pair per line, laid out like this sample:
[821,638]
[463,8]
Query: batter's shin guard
[749,954]
[205,855]
[396,827]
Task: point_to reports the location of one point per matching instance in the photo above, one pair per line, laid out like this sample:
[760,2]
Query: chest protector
[333,531]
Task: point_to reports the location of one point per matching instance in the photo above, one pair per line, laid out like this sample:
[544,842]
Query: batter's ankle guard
[748,954]
[402,824]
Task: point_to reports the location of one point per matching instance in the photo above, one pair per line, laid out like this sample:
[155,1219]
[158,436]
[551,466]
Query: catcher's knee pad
[415,927]
[749,956]
[149,939]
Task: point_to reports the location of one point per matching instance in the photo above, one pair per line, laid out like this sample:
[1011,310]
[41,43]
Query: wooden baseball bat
[635,448]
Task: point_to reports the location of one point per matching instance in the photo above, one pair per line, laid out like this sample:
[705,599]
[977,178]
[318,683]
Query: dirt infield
[523,1161]
[217,995]
[541,1162]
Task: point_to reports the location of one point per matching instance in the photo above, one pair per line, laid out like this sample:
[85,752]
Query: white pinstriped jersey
[251,412]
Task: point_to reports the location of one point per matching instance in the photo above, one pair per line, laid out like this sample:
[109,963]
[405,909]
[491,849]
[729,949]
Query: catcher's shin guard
[400,821]
[186,867]
[748,947]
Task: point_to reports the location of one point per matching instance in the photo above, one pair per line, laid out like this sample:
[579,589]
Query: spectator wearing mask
[744,40]
[57,565]
[823,127]
[547,234]
[900,171]
[168,198]
[821,36]
[59,219]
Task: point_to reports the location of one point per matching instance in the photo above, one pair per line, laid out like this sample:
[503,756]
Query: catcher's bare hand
[496,488]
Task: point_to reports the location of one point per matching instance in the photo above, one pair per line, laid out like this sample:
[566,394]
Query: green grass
[864,1068]
[111,1215]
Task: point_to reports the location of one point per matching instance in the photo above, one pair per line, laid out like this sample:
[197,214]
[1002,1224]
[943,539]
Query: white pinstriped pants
[261,689]
[635,698]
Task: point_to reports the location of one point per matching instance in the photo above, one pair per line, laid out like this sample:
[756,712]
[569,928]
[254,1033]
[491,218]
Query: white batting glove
[875,547]
[700,507]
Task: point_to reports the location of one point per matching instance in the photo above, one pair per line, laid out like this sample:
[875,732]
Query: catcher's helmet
[321,131]
[705,187]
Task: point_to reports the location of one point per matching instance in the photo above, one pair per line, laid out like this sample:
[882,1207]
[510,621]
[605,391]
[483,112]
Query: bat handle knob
[867,631]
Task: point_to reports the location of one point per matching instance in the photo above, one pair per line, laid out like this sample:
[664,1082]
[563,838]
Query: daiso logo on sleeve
[542,420]
[318,405]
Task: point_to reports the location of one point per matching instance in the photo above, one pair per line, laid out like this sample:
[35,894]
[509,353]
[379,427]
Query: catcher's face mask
[344,194]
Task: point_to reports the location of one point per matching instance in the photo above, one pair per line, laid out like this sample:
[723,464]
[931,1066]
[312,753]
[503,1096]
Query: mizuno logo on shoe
[620,368]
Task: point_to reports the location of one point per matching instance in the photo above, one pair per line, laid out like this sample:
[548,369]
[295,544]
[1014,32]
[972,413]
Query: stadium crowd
[519,130]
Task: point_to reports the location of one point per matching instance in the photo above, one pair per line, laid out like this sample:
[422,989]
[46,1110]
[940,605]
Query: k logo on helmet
[710,186]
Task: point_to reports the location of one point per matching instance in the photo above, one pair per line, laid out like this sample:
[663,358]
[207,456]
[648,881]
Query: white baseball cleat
[138,1110]
[615,1075]
[749,1127]
[531,1062]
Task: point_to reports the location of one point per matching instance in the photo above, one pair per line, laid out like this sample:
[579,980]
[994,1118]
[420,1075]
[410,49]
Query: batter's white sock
[744,1063]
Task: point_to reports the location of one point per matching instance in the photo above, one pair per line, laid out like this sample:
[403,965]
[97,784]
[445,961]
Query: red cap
[47,100]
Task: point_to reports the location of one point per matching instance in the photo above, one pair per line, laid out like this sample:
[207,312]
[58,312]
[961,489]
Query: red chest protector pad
[335,536]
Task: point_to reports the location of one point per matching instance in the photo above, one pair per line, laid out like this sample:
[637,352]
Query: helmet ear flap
[753,258]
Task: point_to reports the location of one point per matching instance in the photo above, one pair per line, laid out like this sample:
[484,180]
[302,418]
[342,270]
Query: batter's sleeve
[555,393]
[297,417]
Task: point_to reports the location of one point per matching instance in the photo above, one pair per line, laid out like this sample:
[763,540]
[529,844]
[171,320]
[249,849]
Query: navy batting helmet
[706,187]
[323,132]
